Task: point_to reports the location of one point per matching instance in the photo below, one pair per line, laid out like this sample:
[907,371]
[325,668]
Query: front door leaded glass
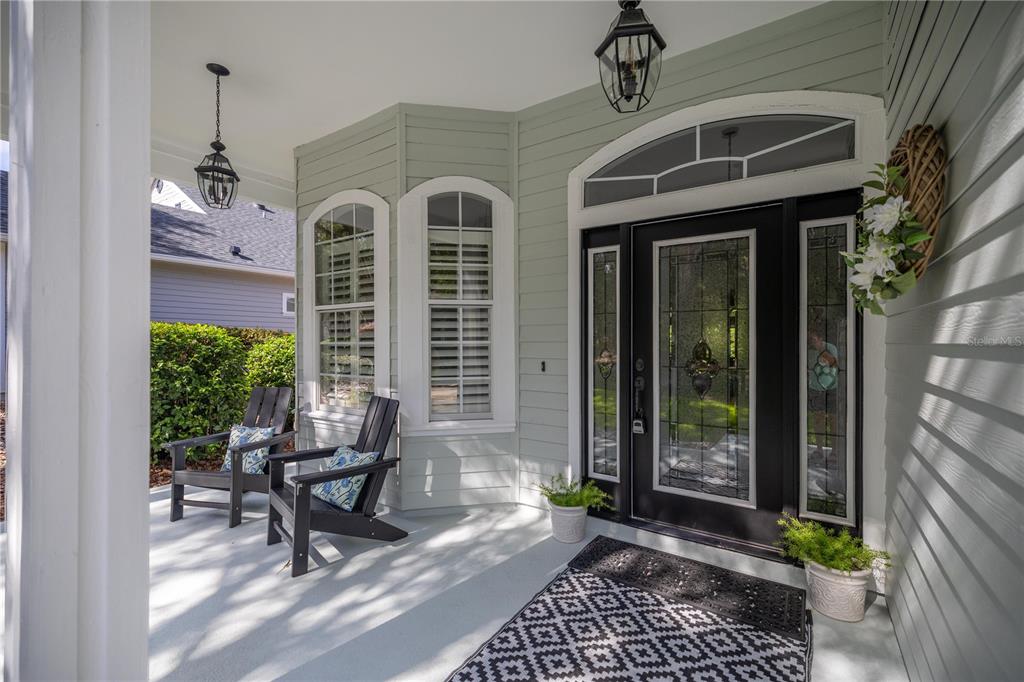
[703,385]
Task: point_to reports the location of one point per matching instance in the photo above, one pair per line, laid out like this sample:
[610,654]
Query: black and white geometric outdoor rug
[623,612]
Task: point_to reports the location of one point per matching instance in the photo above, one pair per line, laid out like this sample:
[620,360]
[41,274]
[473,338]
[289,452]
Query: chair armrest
[304,455]
[197,441]
[345,472]
[256,445]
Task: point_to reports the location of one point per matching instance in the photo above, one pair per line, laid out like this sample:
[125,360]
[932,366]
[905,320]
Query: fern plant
[810,541]
[565,493]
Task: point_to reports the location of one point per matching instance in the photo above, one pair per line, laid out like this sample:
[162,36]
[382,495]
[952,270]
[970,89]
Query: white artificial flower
[882,218]
[863,276]
[877,256]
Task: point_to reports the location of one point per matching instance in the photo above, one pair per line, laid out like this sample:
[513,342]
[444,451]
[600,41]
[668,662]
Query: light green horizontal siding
[837,46]
[954,364]
[529,154]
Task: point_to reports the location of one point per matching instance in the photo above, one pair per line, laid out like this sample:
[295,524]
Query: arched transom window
[723,151]
[344,305]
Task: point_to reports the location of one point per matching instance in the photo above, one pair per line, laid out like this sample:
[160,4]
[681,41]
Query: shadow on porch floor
[223,607]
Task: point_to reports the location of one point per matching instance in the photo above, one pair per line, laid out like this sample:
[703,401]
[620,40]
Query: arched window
[731,149]
[346,296]
[457,358]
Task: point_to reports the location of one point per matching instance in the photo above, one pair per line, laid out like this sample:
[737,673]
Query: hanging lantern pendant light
[217,180]
[629,59]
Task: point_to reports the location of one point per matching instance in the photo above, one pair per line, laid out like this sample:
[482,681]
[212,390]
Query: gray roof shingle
[266,238]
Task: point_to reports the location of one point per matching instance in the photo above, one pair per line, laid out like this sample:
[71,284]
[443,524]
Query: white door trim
[870,148]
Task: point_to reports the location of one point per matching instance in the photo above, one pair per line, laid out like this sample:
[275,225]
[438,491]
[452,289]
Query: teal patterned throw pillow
[344,492]
[254,460]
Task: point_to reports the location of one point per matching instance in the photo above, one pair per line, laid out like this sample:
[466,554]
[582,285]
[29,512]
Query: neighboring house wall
[831,47]
[186,293]
[955,378]
[528,155]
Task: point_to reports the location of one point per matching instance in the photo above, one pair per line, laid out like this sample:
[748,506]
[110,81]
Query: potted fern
[838,566]
[569,502]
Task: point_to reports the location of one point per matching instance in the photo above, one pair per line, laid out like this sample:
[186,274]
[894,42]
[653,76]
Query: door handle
[639,384]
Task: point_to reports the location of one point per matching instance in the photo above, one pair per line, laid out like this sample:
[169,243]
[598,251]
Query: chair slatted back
[374,435]
[268,407]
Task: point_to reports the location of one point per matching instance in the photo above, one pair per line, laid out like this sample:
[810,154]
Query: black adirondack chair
[267,407]
[292,502]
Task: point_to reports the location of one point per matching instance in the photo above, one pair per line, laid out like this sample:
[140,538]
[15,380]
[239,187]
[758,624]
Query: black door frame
[794,211]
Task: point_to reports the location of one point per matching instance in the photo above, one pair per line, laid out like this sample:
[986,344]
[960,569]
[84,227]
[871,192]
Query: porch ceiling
[301,70]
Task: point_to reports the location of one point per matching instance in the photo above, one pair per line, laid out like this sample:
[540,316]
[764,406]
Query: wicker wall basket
[922,156]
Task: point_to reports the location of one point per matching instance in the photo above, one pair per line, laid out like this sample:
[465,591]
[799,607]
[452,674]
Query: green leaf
[875,308]
[904,282]
[875,184]
[917,238]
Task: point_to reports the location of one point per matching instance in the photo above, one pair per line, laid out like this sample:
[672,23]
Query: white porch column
[78,403]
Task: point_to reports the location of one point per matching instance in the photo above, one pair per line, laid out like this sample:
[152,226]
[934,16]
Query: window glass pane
[757,133]
[703,429]
[595,193]
[476,396]
[476,246]
[709,173]
[443,246]
[443,210]
[444,282]
[476,325]
[444,397]
[343,218]
[476,211]
[836,145]
[363,219]
[604,457]
[827,378]
[654,157]
[322,229]
[476,283]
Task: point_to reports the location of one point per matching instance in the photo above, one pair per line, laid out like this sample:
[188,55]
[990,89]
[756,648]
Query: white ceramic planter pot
[837,594]
[568,524]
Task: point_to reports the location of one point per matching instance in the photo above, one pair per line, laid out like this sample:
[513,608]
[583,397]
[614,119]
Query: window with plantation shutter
[459,300]
[344,302]
[343,305]
[456,308]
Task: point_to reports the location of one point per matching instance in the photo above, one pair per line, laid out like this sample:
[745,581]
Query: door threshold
[710,539]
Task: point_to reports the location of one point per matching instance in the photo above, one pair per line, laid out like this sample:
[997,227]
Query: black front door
[708,382]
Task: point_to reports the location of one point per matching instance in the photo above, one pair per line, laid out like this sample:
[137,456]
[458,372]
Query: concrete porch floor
[223,607]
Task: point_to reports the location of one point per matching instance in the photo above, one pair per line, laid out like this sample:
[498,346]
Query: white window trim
[413,345]
[285,295]
[867,111]
[851,380]
[381,297]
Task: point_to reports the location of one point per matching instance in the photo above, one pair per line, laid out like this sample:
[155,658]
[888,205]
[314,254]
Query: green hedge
[252,336]
[201,375]
[197,381]
[272,363]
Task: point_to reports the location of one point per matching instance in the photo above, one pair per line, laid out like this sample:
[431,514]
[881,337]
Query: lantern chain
[218,108]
